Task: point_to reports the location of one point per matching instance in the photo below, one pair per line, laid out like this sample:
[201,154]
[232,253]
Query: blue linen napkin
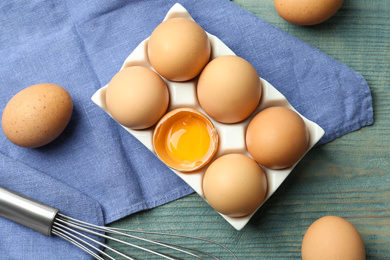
[96,170]
[19,242]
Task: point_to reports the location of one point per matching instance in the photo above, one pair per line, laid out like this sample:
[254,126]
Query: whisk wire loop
[83,247]
[77,224]
[119,231]
[49,221]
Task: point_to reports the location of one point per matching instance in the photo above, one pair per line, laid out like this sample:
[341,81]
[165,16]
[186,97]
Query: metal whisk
[49,221]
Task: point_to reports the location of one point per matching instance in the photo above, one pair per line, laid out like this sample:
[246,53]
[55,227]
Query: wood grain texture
[349,177]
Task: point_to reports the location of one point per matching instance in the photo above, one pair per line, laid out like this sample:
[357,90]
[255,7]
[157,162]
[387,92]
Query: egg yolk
[188,140]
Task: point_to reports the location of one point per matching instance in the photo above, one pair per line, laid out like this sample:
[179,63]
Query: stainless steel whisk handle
[26,211]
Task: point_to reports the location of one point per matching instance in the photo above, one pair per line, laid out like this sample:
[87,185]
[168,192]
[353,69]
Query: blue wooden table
[349,177]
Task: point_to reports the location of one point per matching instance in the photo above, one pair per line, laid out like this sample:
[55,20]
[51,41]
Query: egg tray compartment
[231,136]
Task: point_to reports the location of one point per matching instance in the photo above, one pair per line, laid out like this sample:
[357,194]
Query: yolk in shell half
[185,139]
[188,140]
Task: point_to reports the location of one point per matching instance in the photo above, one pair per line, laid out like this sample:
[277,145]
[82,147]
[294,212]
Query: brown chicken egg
[37,115]
[185,139]
[277,137]
[307,12]
[137,97]
[234,185]
[332,237]
[229,89]
[178,49]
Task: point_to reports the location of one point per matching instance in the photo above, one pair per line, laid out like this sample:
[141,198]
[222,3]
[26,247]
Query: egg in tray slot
[203,117]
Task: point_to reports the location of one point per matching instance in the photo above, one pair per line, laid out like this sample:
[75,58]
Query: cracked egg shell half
[185,139]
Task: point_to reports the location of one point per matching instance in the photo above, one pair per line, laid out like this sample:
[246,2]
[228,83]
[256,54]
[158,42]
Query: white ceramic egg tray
[231,136]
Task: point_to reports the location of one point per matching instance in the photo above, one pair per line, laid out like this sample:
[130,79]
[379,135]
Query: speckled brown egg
[37,115]
[307,12]
[277,137]
[178,49]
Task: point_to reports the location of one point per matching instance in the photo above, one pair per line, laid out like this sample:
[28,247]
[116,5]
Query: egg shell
[160,134]
[332,237]
[229,89]
[307,12]
[137,97]
[37,115]
[178,49]
[277,137]
[234,185]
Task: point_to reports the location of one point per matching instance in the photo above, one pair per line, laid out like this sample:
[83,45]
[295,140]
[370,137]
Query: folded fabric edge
[363,120]
[145,205]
